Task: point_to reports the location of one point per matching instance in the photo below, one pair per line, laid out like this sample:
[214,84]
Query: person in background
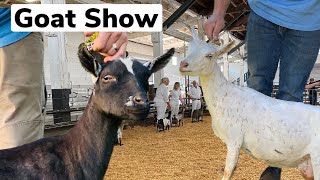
[22,79]
[175,95]
[161,99]
[312,91]
[195,94]
[285,32]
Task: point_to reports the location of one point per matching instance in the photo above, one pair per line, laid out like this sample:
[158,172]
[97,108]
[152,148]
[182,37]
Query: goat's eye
[108,78]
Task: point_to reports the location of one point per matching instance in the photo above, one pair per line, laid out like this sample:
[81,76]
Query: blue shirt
[303,15]
[8,37]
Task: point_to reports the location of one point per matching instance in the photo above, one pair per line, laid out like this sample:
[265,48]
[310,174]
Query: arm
[215,23]
[180,98]
[308,86]
[170,94]
[190,93]
[165,95]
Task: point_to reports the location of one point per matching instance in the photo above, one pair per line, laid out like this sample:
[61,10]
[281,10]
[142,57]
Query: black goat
[197,115]
[85,151]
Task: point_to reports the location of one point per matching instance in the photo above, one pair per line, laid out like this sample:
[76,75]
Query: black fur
[160,125]
[197,115]
[157,64]
[85,151]
[175,121]
[142,73]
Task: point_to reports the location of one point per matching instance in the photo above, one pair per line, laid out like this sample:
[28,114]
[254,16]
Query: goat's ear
[160,62]
[90,61]
[224,49]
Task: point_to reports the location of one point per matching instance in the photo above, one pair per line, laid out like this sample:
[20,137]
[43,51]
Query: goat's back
[42,159]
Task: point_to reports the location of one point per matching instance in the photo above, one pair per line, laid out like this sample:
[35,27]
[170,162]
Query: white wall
[79,77]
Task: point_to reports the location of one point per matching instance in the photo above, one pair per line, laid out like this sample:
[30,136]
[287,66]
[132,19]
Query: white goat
[280,133]
[166,123]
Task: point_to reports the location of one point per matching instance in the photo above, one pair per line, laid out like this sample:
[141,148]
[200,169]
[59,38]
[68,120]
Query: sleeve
[165,93]
[171,93]
[191,92]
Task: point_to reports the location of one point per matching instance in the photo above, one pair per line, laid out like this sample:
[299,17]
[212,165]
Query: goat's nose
[138,100]
[183,65]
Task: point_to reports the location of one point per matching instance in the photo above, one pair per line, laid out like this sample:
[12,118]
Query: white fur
[128,62]
[280,133]
[129,102]
[120,131]
[166,122]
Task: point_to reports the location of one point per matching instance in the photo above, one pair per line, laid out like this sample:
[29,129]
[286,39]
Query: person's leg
[161,110]
[314,100]
[177,109]
[173,109]
[198,105]
[310,99]
[298,56]
[194,106]
[263,46]
[21,92]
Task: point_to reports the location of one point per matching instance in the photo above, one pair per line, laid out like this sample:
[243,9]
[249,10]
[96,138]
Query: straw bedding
[182,153]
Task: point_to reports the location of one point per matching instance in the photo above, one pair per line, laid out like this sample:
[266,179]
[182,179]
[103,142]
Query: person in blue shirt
[21,84]
[22,79]
[282,32]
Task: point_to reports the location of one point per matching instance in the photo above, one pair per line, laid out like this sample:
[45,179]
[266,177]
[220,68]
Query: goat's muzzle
[137,105]
[184,66]
[138,100]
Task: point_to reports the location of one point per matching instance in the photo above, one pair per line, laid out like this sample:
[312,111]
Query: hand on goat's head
[201,55]
[118,91]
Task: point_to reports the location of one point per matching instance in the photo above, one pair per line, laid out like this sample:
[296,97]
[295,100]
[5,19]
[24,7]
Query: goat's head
[117,91]
[201,55]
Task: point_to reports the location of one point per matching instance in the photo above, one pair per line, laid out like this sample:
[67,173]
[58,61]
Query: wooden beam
[176,5]
[238,28]
[233,4]
[179,25]
[179,35]
[138,34]
[182,9]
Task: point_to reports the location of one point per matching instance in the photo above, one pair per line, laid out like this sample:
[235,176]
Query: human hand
[213,26]
[111,44]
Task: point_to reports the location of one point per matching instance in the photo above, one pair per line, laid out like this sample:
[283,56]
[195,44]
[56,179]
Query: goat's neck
[214,84]
[92,141]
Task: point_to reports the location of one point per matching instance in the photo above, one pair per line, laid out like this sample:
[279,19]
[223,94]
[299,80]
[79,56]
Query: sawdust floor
[182,153]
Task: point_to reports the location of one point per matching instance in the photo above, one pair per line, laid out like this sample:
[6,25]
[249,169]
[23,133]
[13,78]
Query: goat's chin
[189,73]
[137,112]
[137,117]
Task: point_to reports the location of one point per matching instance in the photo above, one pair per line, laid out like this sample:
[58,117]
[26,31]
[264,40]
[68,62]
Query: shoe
[271,173]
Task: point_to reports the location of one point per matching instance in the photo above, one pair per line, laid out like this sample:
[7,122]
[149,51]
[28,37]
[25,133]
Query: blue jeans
[267,45]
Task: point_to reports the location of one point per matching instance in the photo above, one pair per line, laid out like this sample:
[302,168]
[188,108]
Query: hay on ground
[182,153]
